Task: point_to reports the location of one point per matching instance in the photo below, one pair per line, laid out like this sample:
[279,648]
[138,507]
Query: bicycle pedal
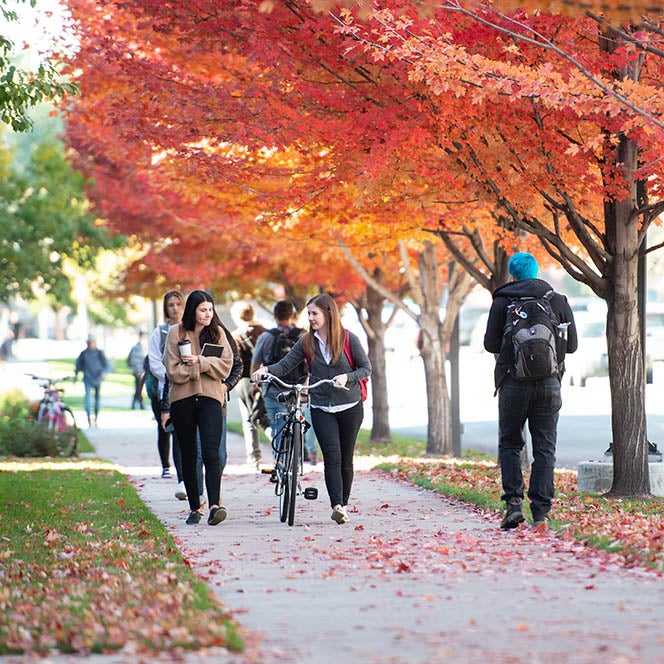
[311,493]
[266,471]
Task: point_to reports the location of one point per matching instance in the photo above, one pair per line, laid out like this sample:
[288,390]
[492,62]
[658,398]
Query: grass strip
[86,568]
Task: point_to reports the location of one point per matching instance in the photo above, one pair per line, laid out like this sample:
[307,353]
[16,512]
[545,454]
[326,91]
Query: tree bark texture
[439,429]
[380,428]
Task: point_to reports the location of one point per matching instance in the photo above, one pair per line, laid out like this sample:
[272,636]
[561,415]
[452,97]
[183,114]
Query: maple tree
[121,133]
[586,155]
[342,118]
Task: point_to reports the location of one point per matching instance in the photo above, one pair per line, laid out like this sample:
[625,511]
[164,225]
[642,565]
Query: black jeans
[203,415]
[337,433]
[539,403]
[164,442]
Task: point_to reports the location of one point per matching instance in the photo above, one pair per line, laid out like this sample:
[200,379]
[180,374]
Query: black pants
[137,399]
[337,434]
[164,442]
[203,415]
[539,403]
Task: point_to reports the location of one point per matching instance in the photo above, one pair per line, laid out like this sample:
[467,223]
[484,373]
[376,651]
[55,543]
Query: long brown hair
[335,330]
[210,333]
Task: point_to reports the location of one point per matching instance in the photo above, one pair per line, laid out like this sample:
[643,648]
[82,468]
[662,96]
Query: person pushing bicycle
[336,415]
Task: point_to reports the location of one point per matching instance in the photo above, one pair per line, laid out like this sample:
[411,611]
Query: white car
[591,359]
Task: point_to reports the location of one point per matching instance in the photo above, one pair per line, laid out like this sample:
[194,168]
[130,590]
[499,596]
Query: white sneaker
[181,492]
[339,514]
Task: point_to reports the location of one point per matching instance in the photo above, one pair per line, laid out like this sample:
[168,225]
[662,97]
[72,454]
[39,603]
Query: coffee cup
[184,347]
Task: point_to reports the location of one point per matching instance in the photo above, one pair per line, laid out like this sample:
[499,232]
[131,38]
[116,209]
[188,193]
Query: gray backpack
[531,329]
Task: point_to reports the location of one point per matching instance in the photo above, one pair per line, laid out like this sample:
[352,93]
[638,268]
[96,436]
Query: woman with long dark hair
[331,352]
[197,394]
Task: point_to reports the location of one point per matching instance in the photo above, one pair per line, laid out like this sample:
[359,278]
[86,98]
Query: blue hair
[523,266]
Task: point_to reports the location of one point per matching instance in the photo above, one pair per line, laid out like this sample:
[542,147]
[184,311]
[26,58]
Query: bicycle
[287,447]
[55,416]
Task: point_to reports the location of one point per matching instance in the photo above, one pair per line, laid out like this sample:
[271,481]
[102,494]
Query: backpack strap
[347,349]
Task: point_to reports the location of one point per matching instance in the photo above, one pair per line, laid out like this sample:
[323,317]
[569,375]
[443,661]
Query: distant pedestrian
[537,400]
[336,414]
[250,400]
[197,395]
[135,362]
[93,364]
[6,348]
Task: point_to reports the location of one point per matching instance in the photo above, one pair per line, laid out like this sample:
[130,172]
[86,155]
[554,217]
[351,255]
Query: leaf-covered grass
[630,528]
[85,567]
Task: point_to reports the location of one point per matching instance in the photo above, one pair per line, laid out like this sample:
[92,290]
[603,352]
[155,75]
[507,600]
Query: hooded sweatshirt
[495,328]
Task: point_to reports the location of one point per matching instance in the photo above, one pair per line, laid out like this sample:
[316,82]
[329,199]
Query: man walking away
[524,316]
[93,364]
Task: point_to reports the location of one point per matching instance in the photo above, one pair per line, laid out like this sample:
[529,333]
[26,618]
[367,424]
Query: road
[584,430]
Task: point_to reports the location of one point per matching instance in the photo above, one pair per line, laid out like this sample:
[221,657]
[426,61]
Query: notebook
[212,350]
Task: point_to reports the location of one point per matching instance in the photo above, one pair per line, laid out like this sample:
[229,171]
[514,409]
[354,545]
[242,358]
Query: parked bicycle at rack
[53,414]
[287,446]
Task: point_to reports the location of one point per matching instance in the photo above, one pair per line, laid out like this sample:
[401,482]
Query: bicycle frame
[287,444]
[55,415]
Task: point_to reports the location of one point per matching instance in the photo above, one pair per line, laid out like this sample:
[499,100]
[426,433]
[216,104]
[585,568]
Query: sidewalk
[414,577]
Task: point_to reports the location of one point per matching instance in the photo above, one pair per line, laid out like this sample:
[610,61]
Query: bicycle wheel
[283,474]
[67,432]
[294,469]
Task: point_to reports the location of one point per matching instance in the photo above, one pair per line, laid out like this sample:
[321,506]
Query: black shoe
[513,514]
[217,515]
[193,518]
[540,520]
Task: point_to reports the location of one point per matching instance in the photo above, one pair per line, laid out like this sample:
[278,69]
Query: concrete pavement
[414,577]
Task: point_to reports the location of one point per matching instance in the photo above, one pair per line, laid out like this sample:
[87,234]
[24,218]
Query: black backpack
[284,340]
[531,327]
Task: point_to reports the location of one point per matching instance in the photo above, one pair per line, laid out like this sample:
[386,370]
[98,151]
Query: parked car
[591,359]
[654,341]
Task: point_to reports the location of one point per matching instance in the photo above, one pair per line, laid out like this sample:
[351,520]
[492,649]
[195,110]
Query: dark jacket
[328,395]
[93,364]
[495,327]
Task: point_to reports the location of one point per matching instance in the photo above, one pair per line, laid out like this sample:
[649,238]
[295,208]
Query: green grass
[87,567]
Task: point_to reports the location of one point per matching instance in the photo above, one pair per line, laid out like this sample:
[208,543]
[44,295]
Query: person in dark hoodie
[535,401]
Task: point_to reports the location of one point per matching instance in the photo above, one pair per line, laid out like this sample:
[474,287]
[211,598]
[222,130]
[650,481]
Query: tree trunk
[380,428]
[439,426]
[631,476]
[626,371]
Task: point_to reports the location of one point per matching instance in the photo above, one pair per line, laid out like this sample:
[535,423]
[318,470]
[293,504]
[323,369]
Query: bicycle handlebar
[300,387]
[48,382]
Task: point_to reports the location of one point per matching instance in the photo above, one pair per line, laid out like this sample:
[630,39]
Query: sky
[36,29]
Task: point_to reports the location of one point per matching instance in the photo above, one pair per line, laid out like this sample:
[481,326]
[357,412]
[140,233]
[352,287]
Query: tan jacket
[203,378]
